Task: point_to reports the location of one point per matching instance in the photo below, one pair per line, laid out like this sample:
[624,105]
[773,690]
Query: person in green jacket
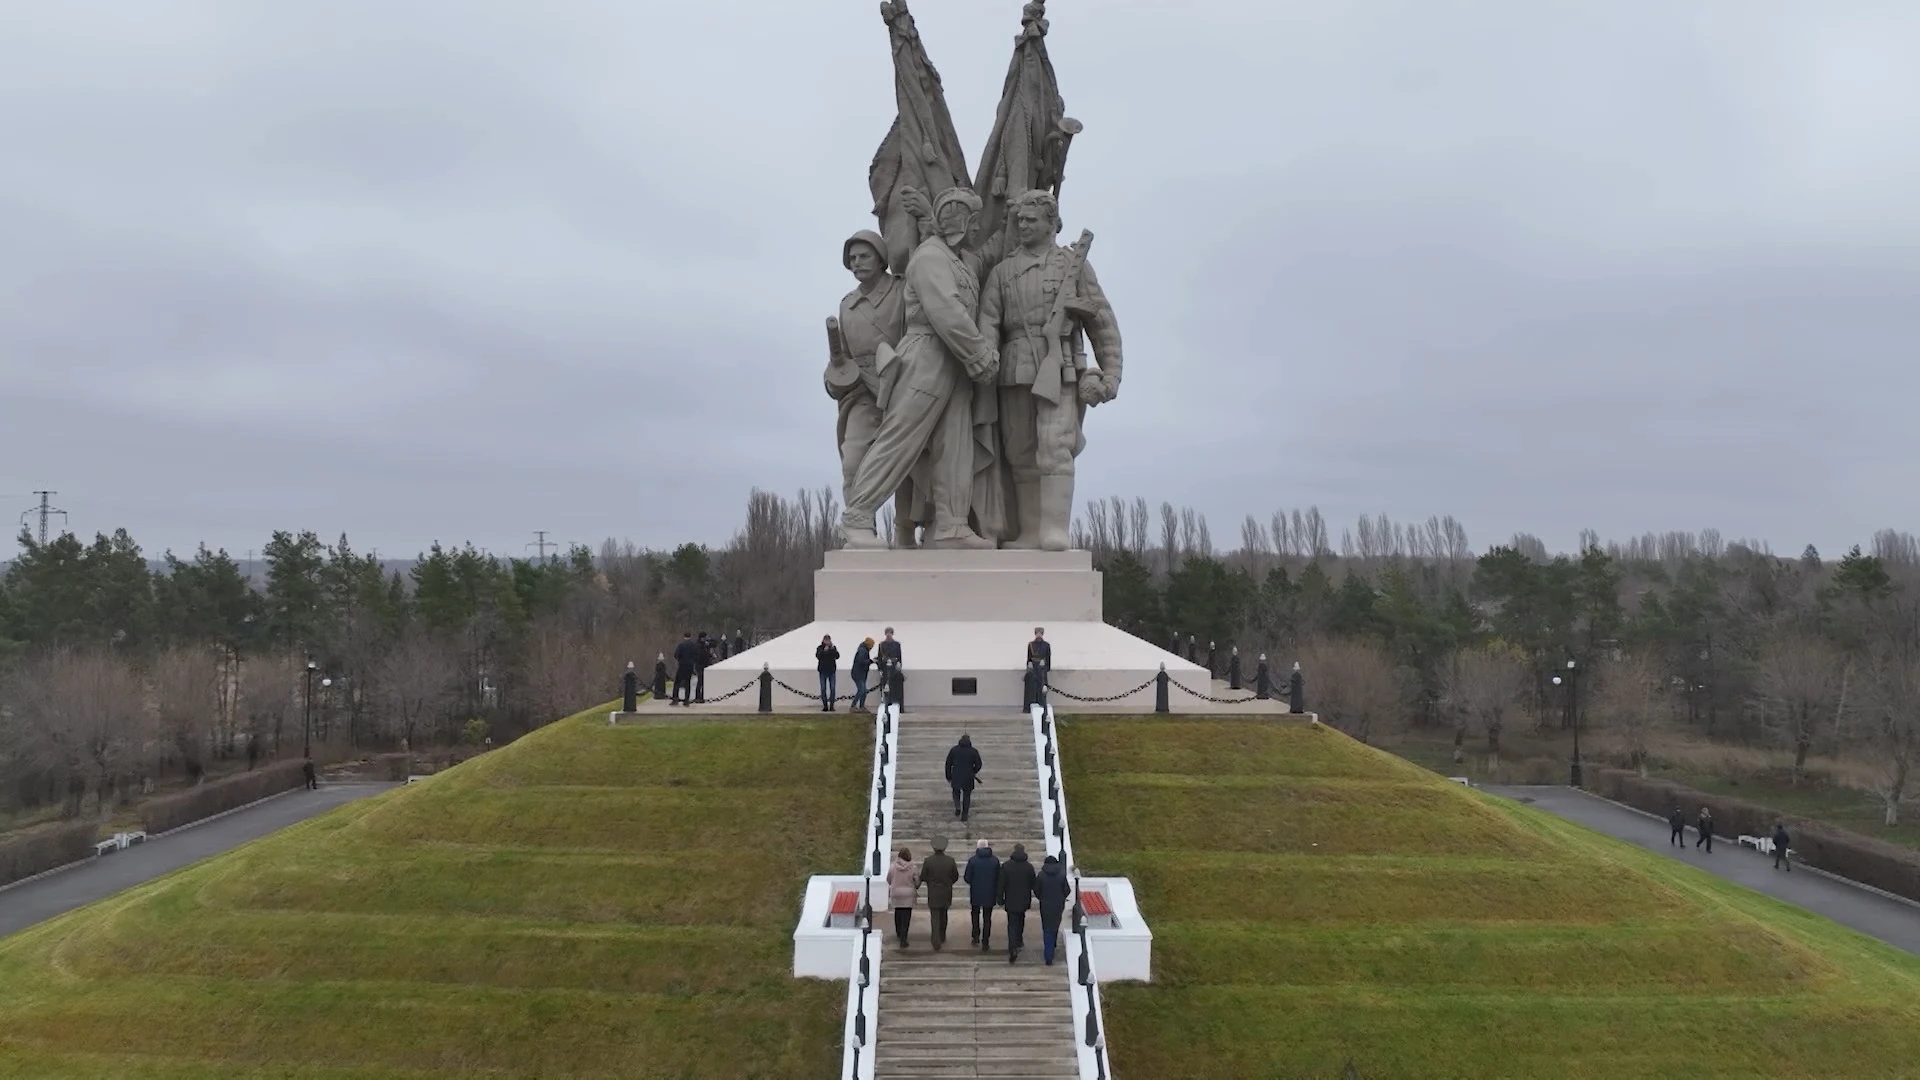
[938,874]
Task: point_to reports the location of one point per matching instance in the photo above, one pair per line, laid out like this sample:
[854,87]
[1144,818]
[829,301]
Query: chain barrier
[1211,698]
[730,693]
[1052,689]
[795,690]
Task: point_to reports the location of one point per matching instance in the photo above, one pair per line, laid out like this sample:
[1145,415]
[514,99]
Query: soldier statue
[872,315]
[929,402]
[1046,385]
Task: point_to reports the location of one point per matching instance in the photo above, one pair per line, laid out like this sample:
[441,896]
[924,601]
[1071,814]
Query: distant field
[586,902]
[1315,901]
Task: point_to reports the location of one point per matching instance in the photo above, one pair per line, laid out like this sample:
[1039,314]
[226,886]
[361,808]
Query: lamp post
[1573,716]
[306,724]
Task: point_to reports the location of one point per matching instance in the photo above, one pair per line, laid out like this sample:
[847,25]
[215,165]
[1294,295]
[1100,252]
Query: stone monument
[962,366]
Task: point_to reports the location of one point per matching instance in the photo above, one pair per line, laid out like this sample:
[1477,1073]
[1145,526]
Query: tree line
[115,672]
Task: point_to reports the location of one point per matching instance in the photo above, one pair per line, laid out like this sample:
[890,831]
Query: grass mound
[589,901]
[1315,901]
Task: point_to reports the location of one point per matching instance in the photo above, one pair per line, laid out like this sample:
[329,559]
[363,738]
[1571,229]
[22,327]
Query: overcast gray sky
[460,270]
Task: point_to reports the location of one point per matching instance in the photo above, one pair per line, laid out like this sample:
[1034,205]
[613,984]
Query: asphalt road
[1874,915]
[42,899]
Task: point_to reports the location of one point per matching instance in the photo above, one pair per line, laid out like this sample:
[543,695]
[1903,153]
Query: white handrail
[863,983]
[1082,976]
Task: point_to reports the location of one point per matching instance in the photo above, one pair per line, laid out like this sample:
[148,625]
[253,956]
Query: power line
[542,543]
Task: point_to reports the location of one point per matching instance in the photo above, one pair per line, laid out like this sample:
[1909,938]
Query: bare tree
[1486,684]
[1634,699]
[418,680]
[269,689]
[186,701]
[1891,726]
[1801,682]
[85,707]
[1169,536]
[1355,685]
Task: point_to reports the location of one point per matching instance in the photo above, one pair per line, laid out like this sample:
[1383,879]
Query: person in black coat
[1052,888]
[1678,823]
[705,646]
[1780,842]
[686,661]
[1039,666]
[982,875]
[963,771]
[1017,879]
[862,663]
[827,659]
[888,651]
[1705,825]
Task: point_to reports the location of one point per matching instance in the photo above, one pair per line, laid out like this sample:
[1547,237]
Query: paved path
[1874,915]
[35,901]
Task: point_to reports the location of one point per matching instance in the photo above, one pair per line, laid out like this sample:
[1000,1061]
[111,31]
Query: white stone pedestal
[963,619]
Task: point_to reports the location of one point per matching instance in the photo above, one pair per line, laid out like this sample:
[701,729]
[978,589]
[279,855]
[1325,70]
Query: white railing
[863,985]
[1090,1023]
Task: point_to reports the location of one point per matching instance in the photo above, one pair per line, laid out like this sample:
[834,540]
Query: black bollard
[1160,682]
[1193,654]
[897,686]
[1296,695]
[766,688]
[1033,686]
[1213,662]
[1233,669]
[630,690]
[660,678]
[1263,680]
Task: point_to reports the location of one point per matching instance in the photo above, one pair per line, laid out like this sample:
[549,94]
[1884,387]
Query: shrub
[1859,858]
[39,850]
[173,811]
[393,766]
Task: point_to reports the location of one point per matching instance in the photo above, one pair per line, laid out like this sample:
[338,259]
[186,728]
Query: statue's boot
[958,537]
[1026,501]
[903,534]
[1056,511]
[862,538]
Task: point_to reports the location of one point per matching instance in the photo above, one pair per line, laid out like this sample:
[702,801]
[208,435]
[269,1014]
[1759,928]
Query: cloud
[464,270]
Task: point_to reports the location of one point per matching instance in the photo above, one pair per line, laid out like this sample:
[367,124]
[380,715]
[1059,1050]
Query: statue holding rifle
[1039,303]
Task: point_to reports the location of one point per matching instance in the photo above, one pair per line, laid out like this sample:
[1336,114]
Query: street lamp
[306,725]
[1573,716]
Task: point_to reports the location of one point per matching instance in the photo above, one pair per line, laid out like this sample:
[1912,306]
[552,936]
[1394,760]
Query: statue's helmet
[871,239]
[956,194]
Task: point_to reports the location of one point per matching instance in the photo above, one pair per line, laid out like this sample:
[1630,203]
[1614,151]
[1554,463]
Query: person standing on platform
[862,663]
[1051,888]
[963,771]
[983,892]
[827,658]
[887,653]
[686,660]
[938,874]
[1039,652]
[1017,880]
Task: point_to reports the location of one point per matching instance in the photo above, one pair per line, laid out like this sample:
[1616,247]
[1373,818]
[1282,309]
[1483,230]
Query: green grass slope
[1316,901]
[587,902]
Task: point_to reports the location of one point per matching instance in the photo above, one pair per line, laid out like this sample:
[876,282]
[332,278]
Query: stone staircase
[961,1012]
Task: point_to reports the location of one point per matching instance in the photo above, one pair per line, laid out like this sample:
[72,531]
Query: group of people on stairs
[1014,886]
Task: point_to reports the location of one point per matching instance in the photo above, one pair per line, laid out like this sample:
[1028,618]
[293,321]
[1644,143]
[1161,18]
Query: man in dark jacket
[1678,823]
[1017,879]
[887,656]
[827,659]
[889,649]
[938,874]
[686,660]
[707,660]
[1039,651]
[1051,888]
[313,779]
[983,891]
[1780,842]
[1705,825]
[963,771]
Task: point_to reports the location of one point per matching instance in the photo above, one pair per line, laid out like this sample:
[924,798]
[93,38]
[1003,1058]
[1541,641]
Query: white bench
[1762,844]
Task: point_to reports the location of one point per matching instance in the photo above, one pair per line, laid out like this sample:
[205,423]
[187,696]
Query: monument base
[963,620]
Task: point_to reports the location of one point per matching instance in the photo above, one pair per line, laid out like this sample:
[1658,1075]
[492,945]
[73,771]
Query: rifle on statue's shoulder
[1056,365]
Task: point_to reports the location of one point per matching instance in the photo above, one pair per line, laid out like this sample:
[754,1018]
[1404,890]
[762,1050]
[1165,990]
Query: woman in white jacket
[903,886]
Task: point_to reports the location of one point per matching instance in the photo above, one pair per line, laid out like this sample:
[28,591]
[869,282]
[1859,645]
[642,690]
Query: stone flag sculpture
[1024,416]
